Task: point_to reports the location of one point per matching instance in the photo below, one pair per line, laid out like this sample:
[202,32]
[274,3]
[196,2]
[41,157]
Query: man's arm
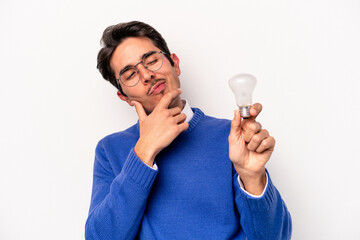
[118,202]
[250,148]
[266,217]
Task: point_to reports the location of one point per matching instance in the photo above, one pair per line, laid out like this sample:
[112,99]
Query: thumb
[236,123]
[139,109]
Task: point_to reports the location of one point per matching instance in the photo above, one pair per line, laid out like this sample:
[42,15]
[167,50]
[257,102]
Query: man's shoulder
[215,120]
[214,123]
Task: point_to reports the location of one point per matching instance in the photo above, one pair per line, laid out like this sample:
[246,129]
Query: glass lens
[129,77]
[153,61]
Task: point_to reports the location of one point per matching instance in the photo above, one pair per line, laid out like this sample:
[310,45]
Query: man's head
[126,44]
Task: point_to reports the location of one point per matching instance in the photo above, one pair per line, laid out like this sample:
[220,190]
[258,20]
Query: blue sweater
[194,193]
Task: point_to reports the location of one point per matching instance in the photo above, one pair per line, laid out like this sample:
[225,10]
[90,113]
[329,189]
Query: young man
[177,173]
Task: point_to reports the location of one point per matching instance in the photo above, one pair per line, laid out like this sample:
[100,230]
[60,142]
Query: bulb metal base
[245,111]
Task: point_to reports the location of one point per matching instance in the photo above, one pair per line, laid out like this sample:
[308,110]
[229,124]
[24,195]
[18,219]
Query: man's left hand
[250,147]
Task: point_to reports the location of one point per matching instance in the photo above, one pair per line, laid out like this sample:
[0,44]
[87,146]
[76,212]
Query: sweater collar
[197,115]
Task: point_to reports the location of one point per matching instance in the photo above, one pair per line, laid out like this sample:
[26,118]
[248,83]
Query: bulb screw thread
[245,111]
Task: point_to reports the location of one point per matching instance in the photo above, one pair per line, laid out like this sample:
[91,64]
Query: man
[177,173]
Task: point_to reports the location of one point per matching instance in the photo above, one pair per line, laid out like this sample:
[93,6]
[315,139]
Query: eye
[152,62]
[128,74]
[131,75]
[151,59]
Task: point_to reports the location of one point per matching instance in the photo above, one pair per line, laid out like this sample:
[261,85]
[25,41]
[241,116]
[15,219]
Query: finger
[175,111]
[180,118]
[183,126]
[139,109]
[236,124]
[268,144]
[167,98]
[257,139]
[250,129]
[254,111]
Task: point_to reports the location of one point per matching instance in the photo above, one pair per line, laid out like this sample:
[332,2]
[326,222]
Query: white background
[55,106]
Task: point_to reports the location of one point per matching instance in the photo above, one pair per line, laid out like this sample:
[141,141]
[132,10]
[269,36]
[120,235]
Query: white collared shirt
[188,111]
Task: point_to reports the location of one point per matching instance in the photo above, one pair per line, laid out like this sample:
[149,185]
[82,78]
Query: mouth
[157,88]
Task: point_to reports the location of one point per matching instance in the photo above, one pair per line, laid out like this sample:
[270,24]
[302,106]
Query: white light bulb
[243,86]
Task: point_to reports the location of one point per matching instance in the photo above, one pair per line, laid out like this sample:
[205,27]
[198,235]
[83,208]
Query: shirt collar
[187,111]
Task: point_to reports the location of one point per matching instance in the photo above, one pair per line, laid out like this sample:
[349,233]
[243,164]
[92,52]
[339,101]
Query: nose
[145,74]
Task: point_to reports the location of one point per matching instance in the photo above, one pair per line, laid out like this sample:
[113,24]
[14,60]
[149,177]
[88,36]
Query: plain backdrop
[55,106]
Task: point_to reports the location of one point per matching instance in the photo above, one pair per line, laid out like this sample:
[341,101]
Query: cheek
[135,92]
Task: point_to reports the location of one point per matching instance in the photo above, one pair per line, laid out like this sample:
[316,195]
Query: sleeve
[266,217]
[243,187]
[118,202]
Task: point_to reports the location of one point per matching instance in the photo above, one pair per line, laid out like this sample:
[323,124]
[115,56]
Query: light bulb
[243,86]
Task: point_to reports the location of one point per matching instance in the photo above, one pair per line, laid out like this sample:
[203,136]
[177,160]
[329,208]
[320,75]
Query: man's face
[165,79]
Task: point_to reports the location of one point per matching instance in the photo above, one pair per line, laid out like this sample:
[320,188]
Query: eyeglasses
[130,75]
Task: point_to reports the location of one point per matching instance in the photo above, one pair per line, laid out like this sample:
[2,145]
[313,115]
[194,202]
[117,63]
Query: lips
[157,88]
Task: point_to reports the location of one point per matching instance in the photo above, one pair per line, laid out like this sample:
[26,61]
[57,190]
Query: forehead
[130,51]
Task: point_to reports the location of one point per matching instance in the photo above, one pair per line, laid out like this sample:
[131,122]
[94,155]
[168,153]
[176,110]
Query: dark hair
[114,35]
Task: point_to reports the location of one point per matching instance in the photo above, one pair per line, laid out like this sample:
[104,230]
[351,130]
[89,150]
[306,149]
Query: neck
[177,102]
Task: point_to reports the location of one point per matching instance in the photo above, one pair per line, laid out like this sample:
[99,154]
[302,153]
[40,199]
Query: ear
[123,97]
[176,61]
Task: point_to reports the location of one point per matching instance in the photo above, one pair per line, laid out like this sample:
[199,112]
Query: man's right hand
[159,128]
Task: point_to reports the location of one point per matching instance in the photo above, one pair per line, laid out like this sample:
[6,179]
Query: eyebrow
[142,57]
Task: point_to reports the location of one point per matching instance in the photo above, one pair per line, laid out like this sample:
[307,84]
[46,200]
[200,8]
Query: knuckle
[269,142]
[252,127]
[250,147]
[255,127]
[256,138]
[247,138]
[166,113]
[183,118]
[266,143]
[171,121]
[265,132]
[179,129]
[174,128]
